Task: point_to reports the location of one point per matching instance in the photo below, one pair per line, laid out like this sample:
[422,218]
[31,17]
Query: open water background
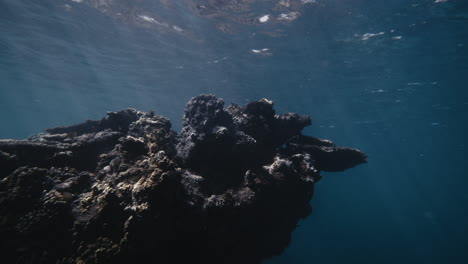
[401,96]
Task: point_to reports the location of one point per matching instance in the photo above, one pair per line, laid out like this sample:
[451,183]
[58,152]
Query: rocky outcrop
[126,189]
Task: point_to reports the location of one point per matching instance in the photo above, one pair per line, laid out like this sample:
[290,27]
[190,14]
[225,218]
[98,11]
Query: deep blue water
[400,95]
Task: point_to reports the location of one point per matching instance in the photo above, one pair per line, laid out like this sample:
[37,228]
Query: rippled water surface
[388,77]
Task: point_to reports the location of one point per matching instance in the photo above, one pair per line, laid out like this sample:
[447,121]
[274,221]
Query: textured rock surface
[126,189]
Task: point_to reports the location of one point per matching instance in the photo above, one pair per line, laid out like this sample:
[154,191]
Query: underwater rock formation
[126,189]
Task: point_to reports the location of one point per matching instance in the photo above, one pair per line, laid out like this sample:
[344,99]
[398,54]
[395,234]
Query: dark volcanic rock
[126,189]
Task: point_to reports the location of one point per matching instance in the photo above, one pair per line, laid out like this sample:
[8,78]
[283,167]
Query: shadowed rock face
[126,189]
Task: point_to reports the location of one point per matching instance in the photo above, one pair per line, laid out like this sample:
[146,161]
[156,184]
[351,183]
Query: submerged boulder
[230,188]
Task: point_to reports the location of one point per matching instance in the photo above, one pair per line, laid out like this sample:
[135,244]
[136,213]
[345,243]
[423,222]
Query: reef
[230,188]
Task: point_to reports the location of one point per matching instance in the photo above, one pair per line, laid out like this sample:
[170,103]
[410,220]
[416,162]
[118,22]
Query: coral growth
[229,189]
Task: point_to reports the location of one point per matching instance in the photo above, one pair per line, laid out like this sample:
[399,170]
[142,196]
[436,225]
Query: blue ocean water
[387,77]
